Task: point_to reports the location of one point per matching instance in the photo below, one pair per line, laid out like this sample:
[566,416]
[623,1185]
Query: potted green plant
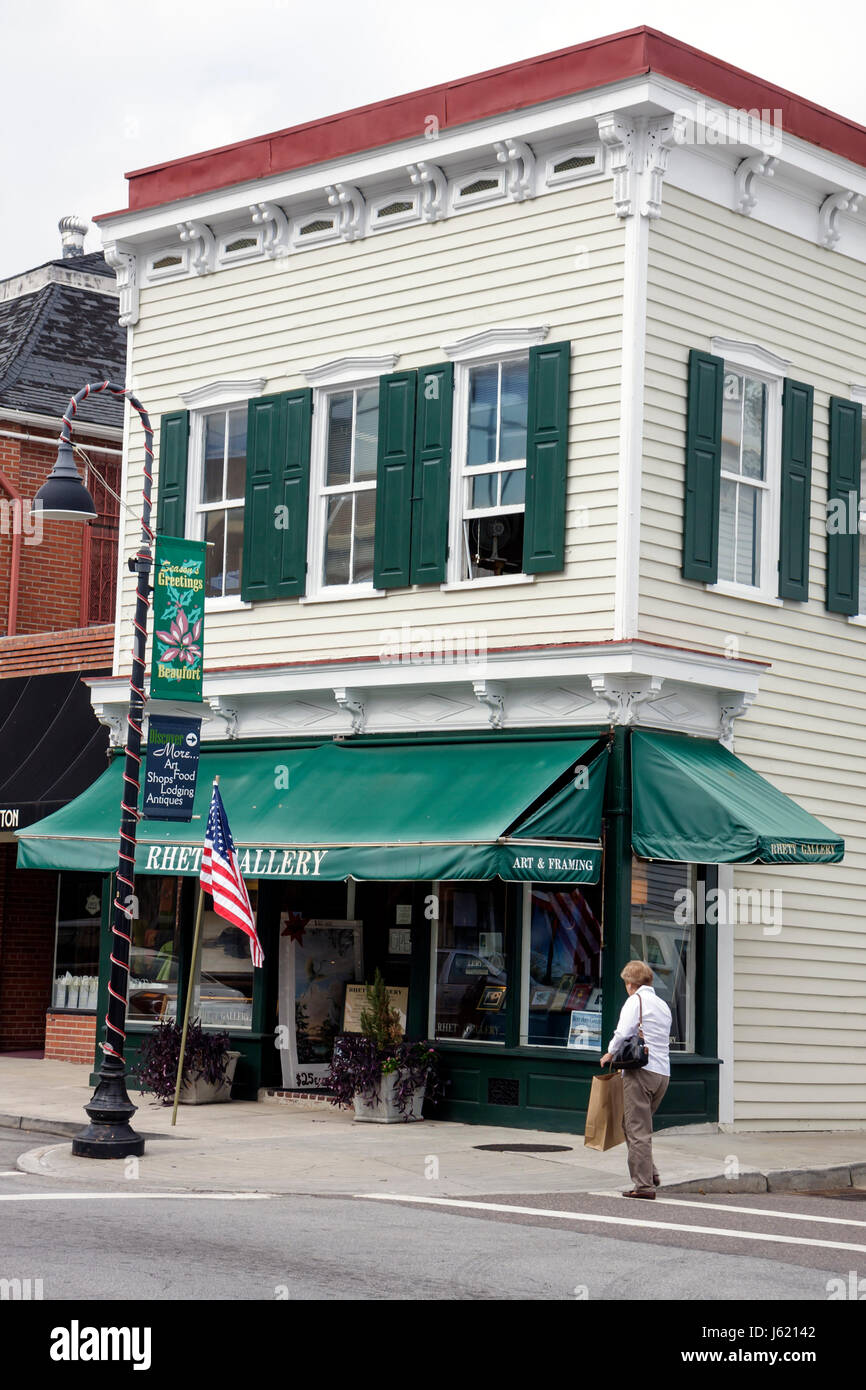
[377,1071]
[208,1064]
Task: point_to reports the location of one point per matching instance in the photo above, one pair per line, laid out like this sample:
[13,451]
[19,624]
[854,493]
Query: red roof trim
[511,88]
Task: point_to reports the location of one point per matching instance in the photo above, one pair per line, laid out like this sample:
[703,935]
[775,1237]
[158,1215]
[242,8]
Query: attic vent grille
[479,186]
[391,209]
[321,224]
[165,261]
[242,243]
[575,161]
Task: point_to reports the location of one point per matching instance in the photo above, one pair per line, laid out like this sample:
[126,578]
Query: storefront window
[469,961]
[153,957]
[564,965]
[76,954]
[223,996]
[662,934]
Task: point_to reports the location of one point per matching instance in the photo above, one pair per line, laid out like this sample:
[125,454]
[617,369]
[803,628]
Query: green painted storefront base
[537,1089]
[531,1088]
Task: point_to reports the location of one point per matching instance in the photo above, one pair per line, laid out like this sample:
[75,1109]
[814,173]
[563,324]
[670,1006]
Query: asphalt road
[85,1243]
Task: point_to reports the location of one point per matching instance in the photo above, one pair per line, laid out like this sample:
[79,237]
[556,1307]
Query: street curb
[776,1180]
[36,1125]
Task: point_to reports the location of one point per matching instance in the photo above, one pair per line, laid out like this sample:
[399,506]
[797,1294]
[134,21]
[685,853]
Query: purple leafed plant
[357,1068]
[204,1057]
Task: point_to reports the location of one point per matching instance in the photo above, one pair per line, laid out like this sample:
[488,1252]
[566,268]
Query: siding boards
[714,273]
[410,291]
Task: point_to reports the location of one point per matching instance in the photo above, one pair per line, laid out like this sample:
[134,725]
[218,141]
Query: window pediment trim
[858,393]
[751,356]
[222,392]
[350,369]
[495,342]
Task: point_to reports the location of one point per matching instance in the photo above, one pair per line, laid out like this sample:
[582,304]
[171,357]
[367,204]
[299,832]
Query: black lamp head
[63,496]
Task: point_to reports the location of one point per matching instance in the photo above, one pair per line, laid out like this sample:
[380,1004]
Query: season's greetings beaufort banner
[178,619]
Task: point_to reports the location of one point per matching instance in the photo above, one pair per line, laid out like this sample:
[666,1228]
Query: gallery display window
[663,896]
[76,949]
[469,977]
[155,951]
[562,967]
[224,978]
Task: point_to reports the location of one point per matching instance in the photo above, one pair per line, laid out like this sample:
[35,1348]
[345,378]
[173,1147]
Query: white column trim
[634,309]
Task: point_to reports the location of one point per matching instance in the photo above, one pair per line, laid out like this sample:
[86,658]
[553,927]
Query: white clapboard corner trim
[494,342]
[222,392]
[353,368]
[750,356]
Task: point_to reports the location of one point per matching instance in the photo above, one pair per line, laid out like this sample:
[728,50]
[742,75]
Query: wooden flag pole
[189,993]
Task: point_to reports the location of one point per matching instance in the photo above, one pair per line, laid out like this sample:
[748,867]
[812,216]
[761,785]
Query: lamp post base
[109,1134]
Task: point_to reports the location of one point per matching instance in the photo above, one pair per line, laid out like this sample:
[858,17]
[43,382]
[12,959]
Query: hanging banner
[176,665]
[173,747]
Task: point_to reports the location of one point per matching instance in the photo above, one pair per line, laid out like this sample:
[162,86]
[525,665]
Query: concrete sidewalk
[273,1147]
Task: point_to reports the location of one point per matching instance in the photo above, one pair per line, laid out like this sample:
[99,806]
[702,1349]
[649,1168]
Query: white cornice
[494,342]
[858,393]
[750,356]
[346,369]
[223,392]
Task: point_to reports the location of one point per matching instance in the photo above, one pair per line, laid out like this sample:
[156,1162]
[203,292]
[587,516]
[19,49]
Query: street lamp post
[64,497]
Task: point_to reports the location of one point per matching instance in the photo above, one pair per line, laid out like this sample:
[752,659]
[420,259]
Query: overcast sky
[90,91]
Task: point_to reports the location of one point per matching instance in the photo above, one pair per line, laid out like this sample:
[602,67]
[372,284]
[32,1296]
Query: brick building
[58,329]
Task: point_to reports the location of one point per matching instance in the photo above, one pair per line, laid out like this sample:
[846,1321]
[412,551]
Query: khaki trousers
[642,1093]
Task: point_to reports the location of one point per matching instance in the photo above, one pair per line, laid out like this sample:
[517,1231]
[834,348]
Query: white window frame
[770,369]
[460,475]
[155,274]
[317,590]
[858,393]
[246,253]
[595,152]
[202,401]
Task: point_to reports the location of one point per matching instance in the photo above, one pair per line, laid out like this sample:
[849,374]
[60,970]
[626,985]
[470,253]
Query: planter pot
[201,1092]
[386,1112]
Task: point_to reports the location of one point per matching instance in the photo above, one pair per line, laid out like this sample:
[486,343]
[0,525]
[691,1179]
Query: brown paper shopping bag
[604,1116]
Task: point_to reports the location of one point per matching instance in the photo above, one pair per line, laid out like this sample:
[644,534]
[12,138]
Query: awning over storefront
[694,801]
[51,745]
[516,809]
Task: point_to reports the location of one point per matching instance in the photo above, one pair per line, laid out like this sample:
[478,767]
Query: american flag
[221,877]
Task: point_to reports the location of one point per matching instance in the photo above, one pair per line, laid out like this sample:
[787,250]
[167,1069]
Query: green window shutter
[171,477]
[396,451]
[703,467]
[546,458]
[276,501]
[431,489]
[843,497]
[292,496]
[796,490]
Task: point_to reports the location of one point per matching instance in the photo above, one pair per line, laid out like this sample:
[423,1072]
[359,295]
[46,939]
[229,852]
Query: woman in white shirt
[643,1087]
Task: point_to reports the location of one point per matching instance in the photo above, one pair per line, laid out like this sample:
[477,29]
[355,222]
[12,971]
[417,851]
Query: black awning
[52,746]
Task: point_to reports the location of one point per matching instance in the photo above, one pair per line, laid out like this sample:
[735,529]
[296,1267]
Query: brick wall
[28,915]
[55,564]
[70,1037]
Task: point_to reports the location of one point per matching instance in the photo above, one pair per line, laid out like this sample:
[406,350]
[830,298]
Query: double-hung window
[745,490]
[219,505]
[343,546]
[492,489]
[748,474]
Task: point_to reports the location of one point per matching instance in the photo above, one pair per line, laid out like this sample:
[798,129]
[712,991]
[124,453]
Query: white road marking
[137,1196]
[13,1173]
[750,1211]
[610,1220]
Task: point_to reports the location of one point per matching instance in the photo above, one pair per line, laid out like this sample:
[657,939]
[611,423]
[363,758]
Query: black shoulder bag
[635,1053]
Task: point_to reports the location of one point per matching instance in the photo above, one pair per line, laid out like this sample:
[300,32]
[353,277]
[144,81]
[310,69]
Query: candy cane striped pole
[109,1134]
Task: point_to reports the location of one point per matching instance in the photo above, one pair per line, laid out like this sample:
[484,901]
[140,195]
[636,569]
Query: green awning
[692,800]
[461,810]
